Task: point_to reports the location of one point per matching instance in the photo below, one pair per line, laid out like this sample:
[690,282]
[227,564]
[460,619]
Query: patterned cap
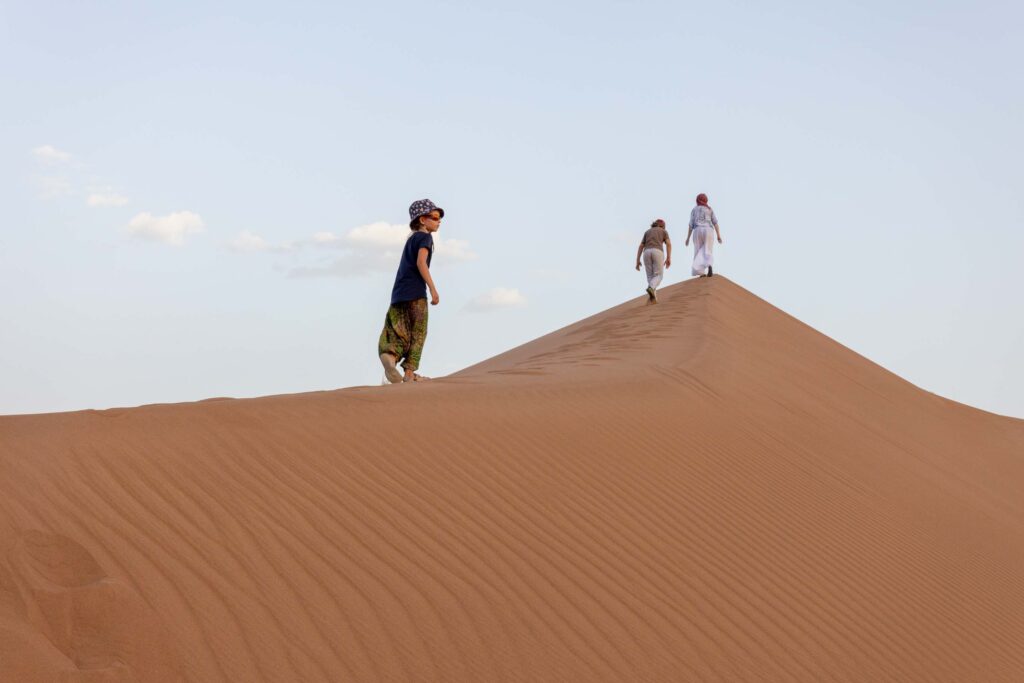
[421,207]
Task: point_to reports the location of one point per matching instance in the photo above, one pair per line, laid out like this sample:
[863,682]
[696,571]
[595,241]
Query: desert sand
[702,490]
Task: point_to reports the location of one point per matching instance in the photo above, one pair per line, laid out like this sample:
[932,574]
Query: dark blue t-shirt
[409,284]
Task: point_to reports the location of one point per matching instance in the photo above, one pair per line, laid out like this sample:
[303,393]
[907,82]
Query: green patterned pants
[405,331]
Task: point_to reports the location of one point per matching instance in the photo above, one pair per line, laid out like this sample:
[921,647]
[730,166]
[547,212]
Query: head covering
[702,199]
[421,207]
[658,223]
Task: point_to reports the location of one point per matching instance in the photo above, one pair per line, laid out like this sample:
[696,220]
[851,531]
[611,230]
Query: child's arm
[421,265]
[668,258]
[639,250]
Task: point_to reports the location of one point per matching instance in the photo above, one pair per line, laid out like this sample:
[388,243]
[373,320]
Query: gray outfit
[654,264]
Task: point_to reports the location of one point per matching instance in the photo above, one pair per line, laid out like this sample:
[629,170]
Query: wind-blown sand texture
[702,490]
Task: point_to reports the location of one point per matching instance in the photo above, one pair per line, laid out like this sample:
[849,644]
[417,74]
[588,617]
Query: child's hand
[687,242]
[668,263]
[719,240]
[434,298]
[638,265]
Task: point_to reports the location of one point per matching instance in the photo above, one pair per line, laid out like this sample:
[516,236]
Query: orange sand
[702,490]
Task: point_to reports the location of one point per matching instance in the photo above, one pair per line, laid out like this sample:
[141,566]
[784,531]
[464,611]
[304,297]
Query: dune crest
[705,489]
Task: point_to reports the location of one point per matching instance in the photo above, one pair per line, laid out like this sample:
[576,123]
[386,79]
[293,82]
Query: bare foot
[413,377]
[390,368]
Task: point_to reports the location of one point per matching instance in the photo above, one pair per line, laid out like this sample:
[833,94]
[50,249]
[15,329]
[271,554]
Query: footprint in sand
[93,627]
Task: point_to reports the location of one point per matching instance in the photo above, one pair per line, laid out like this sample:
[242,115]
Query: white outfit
[703,239]
[703,223]
[654,264]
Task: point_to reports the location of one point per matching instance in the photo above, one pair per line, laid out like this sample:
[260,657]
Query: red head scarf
[702,199]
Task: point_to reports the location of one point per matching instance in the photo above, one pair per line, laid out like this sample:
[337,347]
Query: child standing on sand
[655,261]
[702,223]
[405,325]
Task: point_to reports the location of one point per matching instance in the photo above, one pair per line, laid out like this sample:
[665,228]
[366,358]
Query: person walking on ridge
[702,223]
[654,259]
[405,325]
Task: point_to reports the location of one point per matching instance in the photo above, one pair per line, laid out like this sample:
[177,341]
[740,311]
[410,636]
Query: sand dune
[702,490]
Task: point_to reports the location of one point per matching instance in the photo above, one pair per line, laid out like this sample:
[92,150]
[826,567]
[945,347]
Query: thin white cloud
[247,241]
[349,264]
[378,236]
[624,237]
[375,247]
[382,237]
[552,274]
[51,155]
[497,298]
[169,229]
[106,199]
[51,187]
[453,250]
[327,239]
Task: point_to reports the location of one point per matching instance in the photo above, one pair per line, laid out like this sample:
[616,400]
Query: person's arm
[668,245]
[639,250]
[714,222]
[421,265]
[689,231]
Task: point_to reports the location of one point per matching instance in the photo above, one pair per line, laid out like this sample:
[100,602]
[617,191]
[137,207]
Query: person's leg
[417,322]
[698,266]
[654,266]
[649,272]
[709,249]
[391,372]
[392,345]
[658,263]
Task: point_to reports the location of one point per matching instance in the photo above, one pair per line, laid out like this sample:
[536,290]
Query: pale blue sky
[864,160]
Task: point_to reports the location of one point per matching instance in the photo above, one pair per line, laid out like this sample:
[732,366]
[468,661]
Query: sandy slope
[706,489]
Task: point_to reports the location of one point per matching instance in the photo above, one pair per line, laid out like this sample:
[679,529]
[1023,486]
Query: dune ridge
[704,490]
